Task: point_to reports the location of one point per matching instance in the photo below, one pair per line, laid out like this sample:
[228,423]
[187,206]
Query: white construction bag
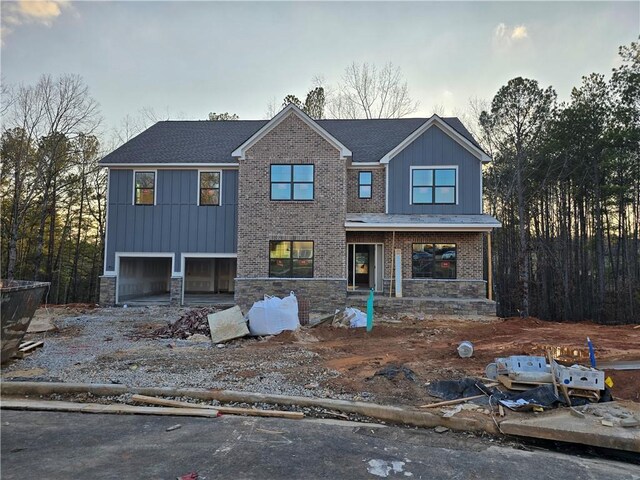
[273,315]
[360,318]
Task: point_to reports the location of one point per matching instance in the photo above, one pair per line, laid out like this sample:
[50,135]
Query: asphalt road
[48,445]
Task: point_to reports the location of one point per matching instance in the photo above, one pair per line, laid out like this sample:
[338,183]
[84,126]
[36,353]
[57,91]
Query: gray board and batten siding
[435,148]
[175,223]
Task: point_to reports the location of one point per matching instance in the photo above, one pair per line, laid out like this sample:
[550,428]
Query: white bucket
[465,349]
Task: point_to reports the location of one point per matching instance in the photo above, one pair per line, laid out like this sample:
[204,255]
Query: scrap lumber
[60,406]
[451,402]
[513,385]
[386,413]
[228,410]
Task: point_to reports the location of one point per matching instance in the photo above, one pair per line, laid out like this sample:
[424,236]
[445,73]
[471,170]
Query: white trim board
[290,109]
[419,227]
[365,165]
[446,128]
[106,229]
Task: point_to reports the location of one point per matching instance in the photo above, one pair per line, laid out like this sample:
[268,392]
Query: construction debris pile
[192,322]
[525,383]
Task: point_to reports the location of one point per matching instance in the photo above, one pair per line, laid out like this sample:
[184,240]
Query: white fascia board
[157,166]
[417,227]
[448,129]
[359,165]
[107,273]
[275,121]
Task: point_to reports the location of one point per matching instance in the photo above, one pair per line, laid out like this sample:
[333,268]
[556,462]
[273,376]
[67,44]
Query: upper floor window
[433,185]
[365,179]
[434,260]
[144,188]
[291,259]
[209,188]
[292,182]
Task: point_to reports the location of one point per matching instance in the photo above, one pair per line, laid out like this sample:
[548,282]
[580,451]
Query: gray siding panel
[433,148]
[176,224]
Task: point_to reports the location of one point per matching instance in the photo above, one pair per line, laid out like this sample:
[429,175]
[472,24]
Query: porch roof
[417,223]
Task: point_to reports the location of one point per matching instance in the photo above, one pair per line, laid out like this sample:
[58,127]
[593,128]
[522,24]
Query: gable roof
[290,109]
[204,142]
[470,144]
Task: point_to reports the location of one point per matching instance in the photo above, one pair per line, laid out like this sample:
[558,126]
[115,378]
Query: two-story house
[319,207]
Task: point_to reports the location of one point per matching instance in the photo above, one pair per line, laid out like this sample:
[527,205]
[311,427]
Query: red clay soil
[428,347]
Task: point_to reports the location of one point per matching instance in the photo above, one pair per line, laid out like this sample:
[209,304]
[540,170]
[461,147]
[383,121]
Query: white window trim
[209,170]
[155,187]
[432,167]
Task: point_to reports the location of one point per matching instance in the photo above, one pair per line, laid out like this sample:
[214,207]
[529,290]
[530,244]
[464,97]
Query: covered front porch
[428,263]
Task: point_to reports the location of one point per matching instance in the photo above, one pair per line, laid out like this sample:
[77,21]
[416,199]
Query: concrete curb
[386,413]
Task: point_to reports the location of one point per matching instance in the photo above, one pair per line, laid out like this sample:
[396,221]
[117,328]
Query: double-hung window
[433,185]
[209,189]
[365,180]
[292,182]
[144,188]
[434,260]
[291,259]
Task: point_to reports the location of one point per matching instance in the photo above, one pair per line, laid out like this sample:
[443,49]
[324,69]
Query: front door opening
[364,262]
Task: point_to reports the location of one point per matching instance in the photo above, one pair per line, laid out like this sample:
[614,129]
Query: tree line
[564,182]
[53,191]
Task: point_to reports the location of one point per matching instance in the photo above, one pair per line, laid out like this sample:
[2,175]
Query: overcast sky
[190,58]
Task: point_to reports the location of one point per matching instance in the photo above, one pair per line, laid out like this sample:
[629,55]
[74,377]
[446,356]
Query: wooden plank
[451,402]
[31,347]
[513,385]
[227,410]
[26,344]
[60,406]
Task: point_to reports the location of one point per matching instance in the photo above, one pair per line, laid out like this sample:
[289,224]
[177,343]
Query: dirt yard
[115,345]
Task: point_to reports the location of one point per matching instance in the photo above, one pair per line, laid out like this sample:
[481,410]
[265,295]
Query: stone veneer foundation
[107,294]
[175,296]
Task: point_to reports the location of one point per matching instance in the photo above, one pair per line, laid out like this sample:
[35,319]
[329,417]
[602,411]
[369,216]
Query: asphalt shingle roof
[202,141]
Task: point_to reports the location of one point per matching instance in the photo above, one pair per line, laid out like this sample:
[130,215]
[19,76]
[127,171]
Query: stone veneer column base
[324,296]
[175,296]
[107,292]
[429,287]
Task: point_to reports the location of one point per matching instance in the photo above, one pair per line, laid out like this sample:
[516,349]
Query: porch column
[398,272]
[489,268]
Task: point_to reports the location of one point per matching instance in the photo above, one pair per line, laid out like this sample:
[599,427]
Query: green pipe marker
[370,311]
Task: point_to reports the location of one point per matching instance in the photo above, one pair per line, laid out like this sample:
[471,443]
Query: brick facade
[324,296]
[375,204]
[260,219]
[469,281]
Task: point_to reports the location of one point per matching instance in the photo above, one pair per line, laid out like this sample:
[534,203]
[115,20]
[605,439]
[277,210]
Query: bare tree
[368,92]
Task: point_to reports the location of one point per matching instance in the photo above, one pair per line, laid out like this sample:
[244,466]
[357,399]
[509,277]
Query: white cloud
[519,32]
[42,12]
[506,35]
